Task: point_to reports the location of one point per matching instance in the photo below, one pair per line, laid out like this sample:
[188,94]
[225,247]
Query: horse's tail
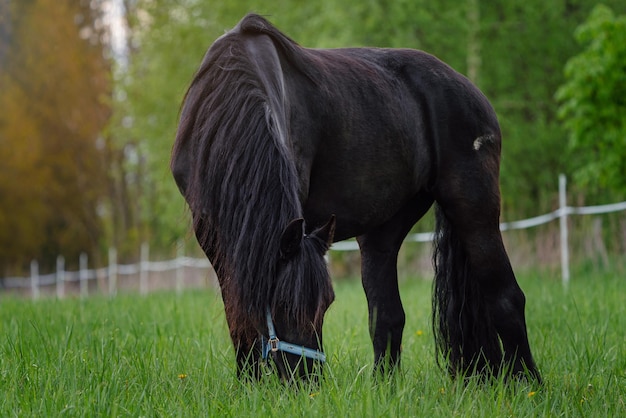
[465,336]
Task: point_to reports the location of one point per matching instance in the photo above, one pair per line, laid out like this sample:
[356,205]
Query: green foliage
[58,90]
[514,51]
[593,102]
[163,355]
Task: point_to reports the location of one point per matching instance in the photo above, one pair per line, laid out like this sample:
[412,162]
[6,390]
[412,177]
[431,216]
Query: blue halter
[273,344]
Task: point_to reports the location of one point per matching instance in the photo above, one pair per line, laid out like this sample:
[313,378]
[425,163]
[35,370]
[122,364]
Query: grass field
[167,355]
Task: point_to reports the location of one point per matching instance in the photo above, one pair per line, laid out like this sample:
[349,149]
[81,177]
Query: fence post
[112,272]
[180,267]
[143,268]
[83,276]
[60,277]
[564,233]
[34,279]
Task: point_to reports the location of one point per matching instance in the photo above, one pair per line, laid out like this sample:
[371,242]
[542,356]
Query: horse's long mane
[242,186]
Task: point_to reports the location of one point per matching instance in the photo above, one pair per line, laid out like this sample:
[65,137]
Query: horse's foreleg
[247,354]
[379,257]
[245,341]
[386,315]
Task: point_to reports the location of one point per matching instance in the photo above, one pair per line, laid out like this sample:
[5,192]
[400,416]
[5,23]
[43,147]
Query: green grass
[168,355]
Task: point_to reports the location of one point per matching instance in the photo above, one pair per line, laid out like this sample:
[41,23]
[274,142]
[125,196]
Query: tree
[593,102]
[149,92]
[170,37]
[55,82]
[513,50]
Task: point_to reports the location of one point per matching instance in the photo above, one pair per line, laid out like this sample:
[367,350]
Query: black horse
[282,150]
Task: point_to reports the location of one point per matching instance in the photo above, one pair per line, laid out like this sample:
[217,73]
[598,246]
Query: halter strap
[273,344]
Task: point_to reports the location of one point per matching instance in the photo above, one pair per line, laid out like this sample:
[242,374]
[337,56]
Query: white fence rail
[561,213]
[110,274]
[85,277]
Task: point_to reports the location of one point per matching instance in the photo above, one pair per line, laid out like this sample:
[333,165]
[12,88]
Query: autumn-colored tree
[55,85]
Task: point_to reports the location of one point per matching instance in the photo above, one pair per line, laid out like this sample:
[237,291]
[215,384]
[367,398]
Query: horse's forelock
[303,288]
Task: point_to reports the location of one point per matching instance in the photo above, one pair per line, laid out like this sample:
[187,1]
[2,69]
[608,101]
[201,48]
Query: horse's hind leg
[379,256]
[479,307]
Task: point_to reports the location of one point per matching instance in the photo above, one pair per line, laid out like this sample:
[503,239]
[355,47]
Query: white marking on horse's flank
[478,142]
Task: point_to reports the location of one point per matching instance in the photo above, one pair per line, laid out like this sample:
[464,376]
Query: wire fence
[186,272]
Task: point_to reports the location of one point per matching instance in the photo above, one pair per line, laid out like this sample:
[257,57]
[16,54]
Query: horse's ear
[291,238]
[327,232]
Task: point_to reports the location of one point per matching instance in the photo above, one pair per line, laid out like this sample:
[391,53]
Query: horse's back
[368,128]
[363,135]
[446,98]
[385,121]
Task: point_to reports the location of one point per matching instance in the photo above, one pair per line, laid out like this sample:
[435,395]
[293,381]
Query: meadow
[170,355]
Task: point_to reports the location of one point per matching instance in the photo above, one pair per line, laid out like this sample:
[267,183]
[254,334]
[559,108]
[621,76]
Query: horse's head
[302,295]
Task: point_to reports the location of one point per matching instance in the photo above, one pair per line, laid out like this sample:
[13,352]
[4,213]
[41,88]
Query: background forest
[89,101]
